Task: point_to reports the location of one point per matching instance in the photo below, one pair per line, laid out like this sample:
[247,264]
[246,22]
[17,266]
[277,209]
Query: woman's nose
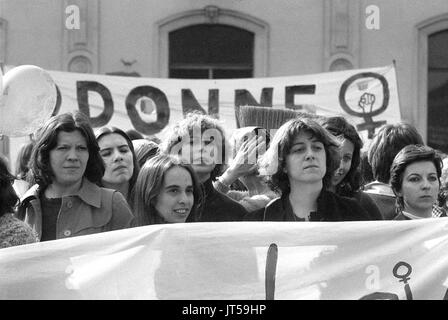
[72,154]
[117,156]
[426,184]
[309,153]
[183,197]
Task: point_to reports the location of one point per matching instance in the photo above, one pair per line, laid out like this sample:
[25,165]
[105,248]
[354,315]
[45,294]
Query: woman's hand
[245,160]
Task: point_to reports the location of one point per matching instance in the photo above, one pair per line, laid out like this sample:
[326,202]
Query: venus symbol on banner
[28,99]
[366,101]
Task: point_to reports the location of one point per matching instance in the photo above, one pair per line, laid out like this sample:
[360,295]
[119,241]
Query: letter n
[191,104]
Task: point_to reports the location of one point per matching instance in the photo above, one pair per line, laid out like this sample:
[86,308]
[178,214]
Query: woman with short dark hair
[300,164]
[415,180]
[66,167]
[385,145]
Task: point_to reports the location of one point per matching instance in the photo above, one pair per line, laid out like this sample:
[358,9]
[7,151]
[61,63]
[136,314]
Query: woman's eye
[105,154]
[432,178]
[414,179]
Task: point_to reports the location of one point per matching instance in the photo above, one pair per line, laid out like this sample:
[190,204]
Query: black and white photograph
[166,150]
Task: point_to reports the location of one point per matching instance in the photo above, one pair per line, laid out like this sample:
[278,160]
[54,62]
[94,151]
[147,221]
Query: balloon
[27,101]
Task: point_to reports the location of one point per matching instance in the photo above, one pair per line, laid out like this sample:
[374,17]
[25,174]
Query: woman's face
[347,149]
[200,152]
[117,157]
[306,161]
[68,159]
[176,197]
[420,187]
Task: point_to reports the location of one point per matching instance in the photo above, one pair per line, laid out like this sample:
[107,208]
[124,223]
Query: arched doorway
[222,21]
[211,51]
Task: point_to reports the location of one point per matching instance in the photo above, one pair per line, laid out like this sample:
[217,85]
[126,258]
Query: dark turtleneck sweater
[218,207]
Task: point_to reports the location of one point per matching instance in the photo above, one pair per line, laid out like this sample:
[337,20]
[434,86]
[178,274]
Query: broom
[265,117]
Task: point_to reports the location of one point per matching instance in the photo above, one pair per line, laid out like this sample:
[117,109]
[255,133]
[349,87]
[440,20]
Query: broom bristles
[264,117]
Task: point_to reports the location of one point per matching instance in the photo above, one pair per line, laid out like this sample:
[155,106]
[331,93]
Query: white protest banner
[237,260]
[367,97]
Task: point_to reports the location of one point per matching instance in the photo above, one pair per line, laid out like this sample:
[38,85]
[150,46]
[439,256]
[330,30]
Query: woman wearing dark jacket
[346,180]
[201,142]
[300,163]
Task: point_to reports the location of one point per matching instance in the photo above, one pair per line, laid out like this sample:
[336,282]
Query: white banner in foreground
[237,260]
[368,97]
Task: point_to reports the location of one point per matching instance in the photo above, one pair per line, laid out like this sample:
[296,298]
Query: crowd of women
[71,180]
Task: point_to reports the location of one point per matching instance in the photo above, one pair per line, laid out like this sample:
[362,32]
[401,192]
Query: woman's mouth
[120,168]
[181,211]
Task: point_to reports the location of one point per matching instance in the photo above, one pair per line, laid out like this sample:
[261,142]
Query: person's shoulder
[346,208]
[369,205]
[342,200]
[20,187]
[15,232]
[31,193]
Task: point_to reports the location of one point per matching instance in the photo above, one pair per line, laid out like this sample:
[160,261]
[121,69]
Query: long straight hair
[340,127]
[104,131]
[149,185]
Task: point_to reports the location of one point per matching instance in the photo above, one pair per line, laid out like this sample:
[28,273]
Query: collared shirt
[437,212]
[91,210]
